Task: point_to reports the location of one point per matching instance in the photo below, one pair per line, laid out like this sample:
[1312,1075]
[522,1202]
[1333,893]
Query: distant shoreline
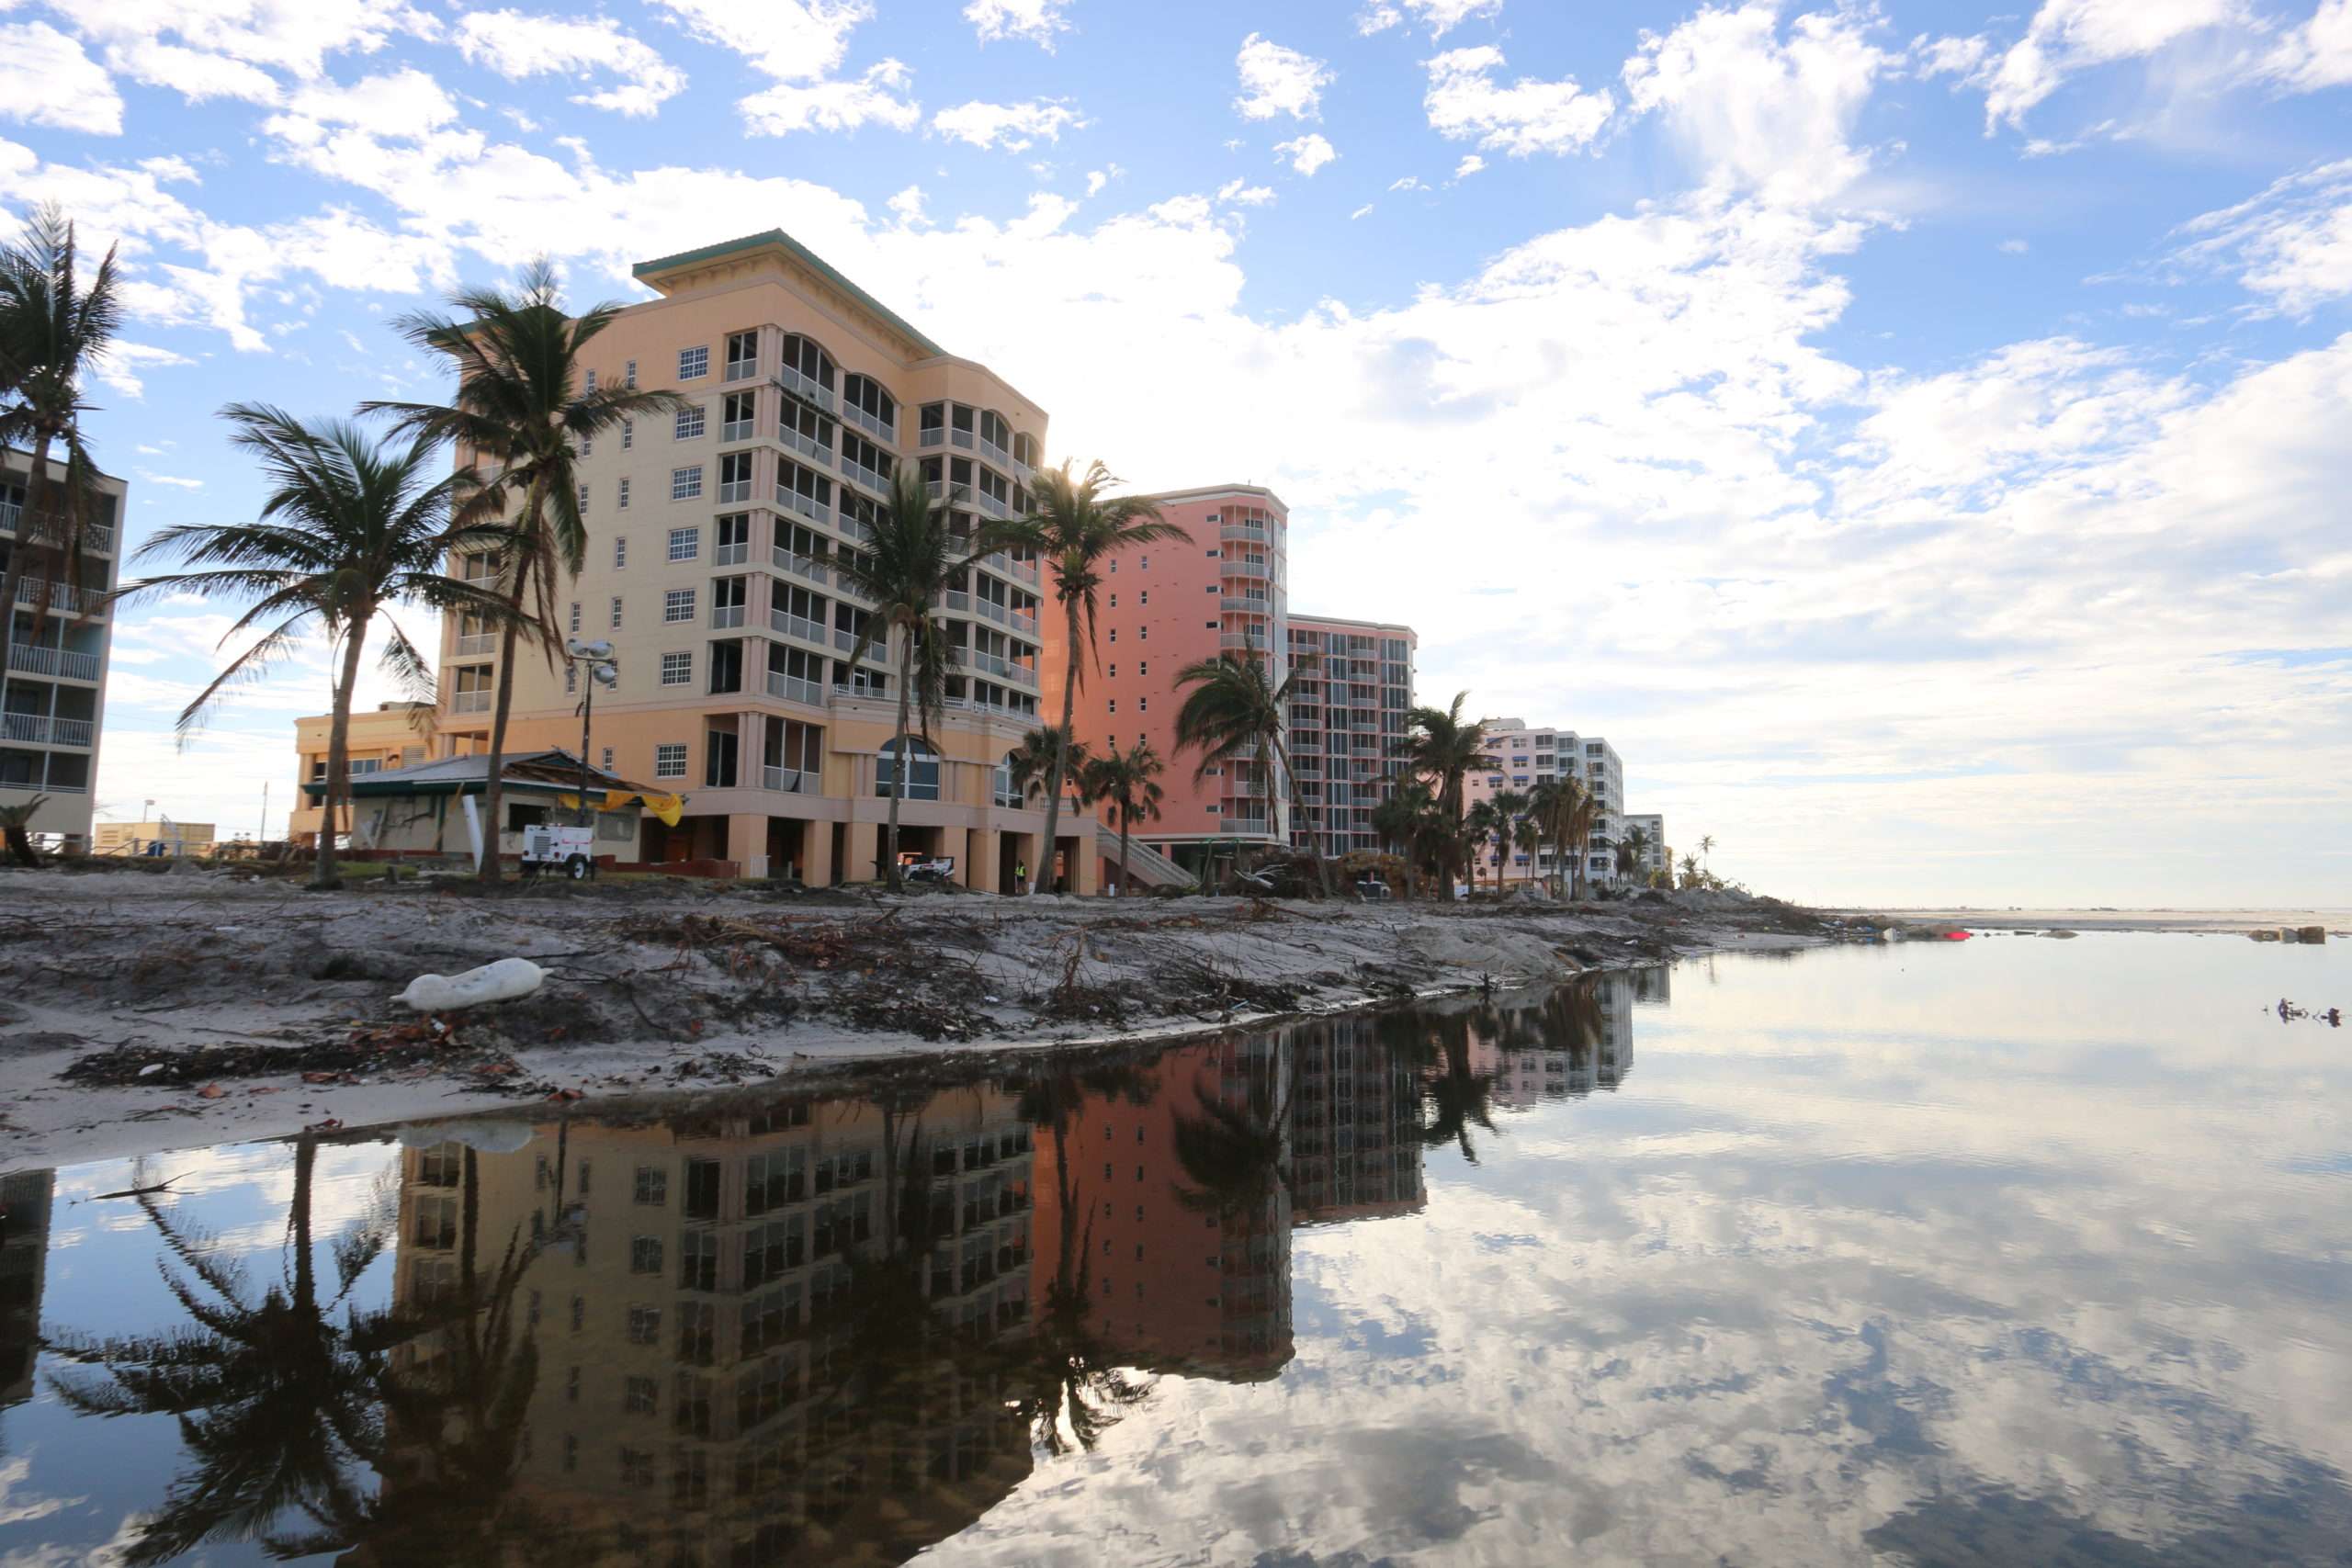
[2209,921]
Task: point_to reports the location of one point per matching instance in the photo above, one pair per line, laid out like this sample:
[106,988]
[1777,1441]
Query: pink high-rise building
[1167,607]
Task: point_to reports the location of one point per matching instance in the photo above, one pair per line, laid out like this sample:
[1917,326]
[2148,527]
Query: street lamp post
[598,656]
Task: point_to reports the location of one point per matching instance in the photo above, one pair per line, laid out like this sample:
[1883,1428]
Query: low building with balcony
[393,736]
[59,634]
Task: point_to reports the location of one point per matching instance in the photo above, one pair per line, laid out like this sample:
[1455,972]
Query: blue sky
[1913,433]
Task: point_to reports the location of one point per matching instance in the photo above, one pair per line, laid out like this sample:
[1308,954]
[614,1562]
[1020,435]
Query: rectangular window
[629,439]
[1143,666]
[575,616]
[685,543]
[669,761]
[616,611]
[677,668]
[584,497]
[620,552]
[653,1183]
[694,362]
[644,1326]
[686,483]
[607,766]
[570,680]
[678,605]
[628,374]
[592,381]
[1144,597]
[645,1255]
[689,423]
[624,495]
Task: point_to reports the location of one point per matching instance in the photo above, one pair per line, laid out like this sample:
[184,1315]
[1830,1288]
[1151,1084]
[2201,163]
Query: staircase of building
[1146,865]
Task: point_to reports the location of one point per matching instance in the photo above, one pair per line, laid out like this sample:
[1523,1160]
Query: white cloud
[1012,127]
[2319,53]
[1471,163]
[1276,80]
[231,48]
[1441,17]
[838,104]
[2013,247]
[1036,20]
[1095,180]
[2290,246]
[1360,212]
[1758,112]
[2069,36]
[124,360]
[1408,181]
[171,480]
[405,102]
[1245,195]
[1308,152]
[517,45]
[792,40]
[907,205]
[1466,102]
[45,79]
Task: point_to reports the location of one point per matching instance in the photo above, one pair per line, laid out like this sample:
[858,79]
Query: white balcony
[476,645]
[63,598]
[1242,531]
[878,428]
[1237,568]
[1252,603]
[808,447]
[731,555]
[741,370]
[789,780]
[470,702]
[794,501]
[801,627]
[958,602]
[737,429]
[995,611]
[731,491]
[807,389]
[990,506]
[725,615]
[44,730]
[872,479]
[850,526]
[35,660]
[797,563]
[934,436]
[97,537]
[793,689]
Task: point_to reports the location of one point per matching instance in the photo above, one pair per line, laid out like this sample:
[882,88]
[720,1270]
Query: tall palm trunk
[1126,885]
[899,770]
[1299,804]
[338,792]
[297,1219]
[493,796]
[1061,761]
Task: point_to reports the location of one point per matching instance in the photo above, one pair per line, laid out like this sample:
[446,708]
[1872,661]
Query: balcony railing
[1242,531]
[934,435]
[789,780]
[1024,621]
[990,506]
[808,447]
[63,598]
[790,625]
[476,643]
[796,563]
[724,615]
[741,370]
[470,702]
[994,453]
[995,611]
[41,727]
[1254,603]
[793,689]
[872,479]
[793,500]
[873,425]
[1242,640]
[731,555]
[35,660]
[807,389]
[737,429]
[97,537]
[959,601]
[733,491]
[1235,567]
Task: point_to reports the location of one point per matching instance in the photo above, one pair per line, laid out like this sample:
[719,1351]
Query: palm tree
[1234,707]
[1445,747]
[1690,870]
[913,556]
[1480,824]
[1040,752]
[53,331]
[348,529]
[16,829]
[277,1392]
[1410,820]
[521,410]
[1509,812]
[1706,846]
[1631,849]
[1128,781]
[1554,805]
[1076,527]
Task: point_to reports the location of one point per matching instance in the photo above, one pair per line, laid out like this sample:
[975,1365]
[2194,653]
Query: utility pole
[598,656]
[263,833]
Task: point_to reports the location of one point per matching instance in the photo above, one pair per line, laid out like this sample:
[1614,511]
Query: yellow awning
[668,807]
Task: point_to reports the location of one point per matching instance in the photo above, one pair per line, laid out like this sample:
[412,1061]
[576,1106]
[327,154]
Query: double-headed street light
[602,672]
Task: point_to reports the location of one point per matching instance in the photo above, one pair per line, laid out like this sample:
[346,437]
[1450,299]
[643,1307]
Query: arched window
[922,770]
[864,395]
[1007,794]
[803,357]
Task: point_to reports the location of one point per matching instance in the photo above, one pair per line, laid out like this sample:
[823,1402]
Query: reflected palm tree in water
[1067,1391]
[1455,1097]
[277,1391]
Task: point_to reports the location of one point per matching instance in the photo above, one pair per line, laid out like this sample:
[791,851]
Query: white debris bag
[500,982]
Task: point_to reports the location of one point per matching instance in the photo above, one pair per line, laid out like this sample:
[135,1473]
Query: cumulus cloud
[1441,17]
[2290,246]
[45,79]
[1277,80]
[1245,195]
[1761,111]
[2069,36]
[1012,127]
[1308,152]
[1036,20]
[517,45]
[1471,163]
[876,97]
[1468,101]
[2317,55]
[124,361]
[801,44]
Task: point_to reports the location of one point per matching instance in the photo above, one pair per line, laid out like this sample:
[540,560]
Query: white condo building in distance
[1527,756]
[1656,854]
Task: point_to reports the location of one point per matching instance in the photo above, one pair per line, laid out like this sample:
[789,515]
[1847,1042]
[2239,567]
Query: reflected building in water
[25,1199]
[1567,1043]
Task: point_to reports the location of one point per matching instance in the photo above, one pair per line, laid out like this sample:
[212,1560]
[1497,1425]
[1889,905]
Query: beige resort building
[53,677]
[708,534]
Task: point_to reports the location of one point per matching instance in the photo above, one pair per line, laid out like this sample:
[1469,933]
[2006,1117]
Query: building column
[746,842]
[979,867]
[864,843]
[817,853]
[1083,858]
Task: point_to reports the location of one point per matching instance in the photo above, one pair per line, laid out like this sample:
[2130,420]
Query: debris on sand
[504,981]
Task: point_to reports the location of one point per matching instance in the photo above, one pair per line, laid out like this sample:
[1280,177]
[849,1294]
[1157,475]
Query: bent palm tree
[520,408]
[1445,746]
[1076,527]
[349,530]
[1233,707]
[911,558]
[1127,782]
[53,331]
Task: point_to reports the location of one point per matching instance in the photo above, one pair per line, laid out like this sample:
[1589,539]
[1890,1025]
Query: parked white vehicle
[548,845]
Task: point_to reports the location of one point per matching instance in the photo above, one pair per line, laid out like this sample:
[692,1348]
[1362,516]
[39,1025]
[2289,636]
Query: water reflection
[2008,1251]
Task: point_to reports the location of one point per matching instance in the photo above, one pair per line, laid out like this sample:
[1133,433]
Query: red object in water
[1958,936]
